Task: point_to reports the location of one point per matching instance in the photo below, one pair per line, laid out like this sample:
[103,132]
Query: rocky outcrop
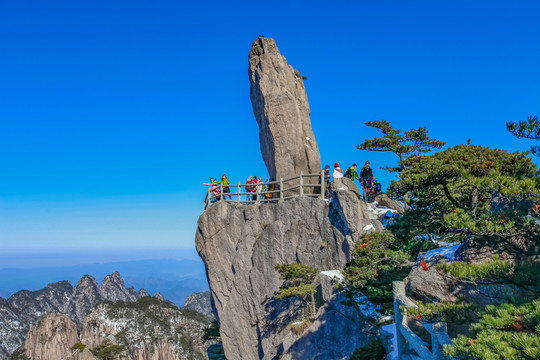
[345,184]
[431,285]
[513,249]
[149,329]
[383,200]
[336,332]
[24,308]
[201,303]
[52,339]
[242,244]
[282,111]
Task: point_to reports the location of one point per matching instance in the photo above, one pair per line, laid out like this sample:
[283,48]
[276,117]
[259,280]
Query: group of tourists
[369,185]
[264,188]
[220,189]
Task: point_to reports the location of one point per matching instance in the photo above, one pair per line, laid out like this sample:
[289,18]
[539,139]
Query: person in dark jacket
[327,180]
[366,178]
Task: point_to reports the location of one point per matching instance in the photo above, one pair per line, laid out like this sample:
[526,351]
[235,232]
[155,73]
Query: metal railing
[276,191]
[406,338]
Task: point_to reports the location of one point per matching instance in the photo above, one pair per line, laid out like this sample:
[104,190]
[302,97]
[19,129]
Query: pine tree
[529,129]
[450,192]
[298,283]
[412,142]
[375,264]
[505,331]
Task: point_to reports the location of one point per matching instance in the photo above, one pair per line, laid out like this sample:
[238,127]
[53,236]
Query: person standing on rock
[224,182]
[366,176]
[338,172]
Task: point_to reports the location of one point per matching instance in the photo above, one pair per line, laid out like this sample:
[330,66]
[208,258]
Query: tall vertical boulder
[282,111]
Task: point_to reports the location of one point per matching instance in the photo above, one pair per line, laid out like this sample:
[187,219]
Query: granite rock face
[52,339]
[24,308]
[282,111]
[201,303]
[148,329]
[242,244]
[513,249]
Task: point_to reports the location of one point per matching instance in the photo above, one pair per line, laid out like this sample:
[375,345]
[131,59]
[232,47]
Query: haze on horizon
[113,114]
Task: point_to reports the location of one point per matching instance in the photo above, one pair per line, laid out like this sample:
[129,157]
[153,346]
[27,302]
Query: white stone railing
[407,339]
[282,190]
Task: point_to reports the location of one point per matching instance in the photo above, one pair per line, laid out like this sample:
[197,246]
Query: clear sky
[113,113]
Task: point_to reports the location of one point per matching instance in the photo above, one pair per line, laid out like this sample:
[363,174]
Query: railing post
[281,189]
[208,198]
[398,288]
[436,346]
[323,184]
[257,187]
[239,192]
[301,183]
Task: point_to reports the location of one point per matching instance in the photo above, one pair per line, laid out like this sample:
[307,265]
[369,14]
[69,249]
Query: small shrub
[78,346]
[373,350]
[492,269]
[455,312]
[299,327]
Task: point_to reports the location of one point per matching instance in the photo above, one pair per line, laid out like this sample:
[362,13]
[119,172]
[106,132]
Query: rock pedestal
[282,111]
[242,244]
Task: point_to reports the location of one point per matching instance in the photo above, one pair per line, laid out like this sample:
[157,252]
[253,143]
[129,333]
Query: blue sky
[109,110]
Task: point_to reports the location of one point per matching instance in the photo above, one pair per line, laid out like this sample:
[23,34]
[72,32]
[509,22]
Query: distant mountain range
[174,279]
[47,323]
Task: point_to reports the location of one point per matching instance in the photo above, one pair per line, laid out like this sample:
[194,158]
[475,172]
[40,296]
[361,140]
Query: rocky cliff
[52,338]
[201,303]
[282,111]
[24,308]
[242,244]
[147,329]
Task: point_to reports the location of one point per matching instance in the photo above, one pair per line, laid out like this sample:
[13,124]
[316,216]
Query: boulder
[345,184]
[383,200]
[282,111]
[431,285]
[514,249]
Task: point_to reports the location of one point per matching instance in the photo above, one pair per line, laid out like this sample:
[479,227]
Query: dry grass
[298,327]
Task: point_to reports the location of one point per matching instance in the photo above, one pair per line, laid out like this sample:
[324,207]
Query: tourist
[248,187]
[215,189]
[327,180]
[366,176]
[254,188]
[338,172]
[224,182]
[351,173]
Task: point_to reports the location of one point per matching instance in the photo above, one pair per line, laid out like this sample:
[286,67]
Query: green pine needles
[505,332]
[298,283]
[412,142]
[492,269]
[495,270]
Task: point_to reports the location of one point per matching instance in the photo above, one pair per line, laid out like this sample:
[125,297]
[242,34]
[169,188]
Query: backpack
[348,173]
[377,186]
